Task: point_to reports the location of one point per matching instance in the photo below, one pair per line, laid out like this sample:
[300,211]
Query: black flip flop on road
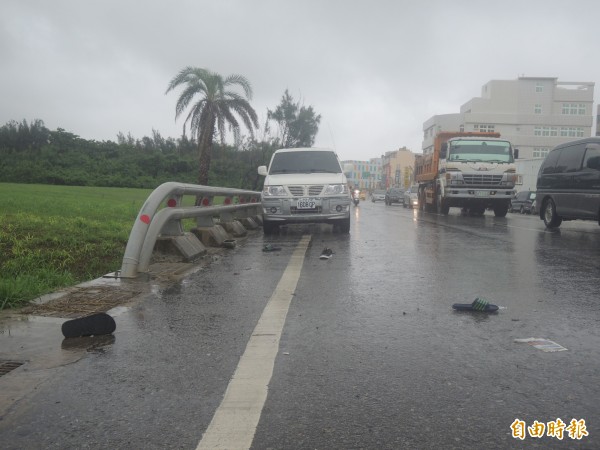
[479,304]
[93,325]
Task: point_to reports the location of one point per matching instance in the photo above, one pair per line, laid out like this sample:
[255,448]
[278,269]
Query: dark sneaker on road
[326,253]
[94,325]
[271,248]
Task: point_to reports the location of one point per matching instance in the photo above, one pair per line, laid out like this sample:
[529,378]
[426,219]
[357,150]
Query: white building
[535,114]
[444,122]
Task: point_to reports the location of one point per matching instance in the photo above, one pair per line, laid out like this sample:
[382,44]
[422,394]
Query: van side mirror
[262,170]
[444,150]
[516,153]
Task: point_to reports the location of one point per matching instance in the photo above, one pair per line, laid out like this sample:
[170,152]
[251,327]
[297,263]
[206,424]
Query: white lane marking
[235,421]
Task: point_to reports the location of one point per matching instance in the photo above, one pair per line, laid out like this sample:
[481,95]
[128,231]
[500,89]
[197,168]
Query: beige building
[535,114]
[397,168]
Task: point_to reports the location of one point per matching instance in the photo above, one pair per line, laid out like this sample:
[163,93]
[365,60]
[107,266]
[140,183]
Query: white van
[305,185]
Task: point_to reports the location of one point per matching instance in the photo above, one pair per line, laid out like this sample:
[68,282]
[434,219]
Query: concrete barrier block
[211,236]
[235,228]
[187,245]
[249,223]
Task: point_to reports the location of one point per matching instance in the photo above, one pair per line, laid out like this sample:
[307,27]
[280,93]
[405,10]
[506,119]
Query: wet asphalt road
[371,355]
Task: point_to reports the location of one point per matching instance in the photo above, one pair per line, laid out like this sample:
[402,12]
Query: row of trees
[31,153]
[66,159]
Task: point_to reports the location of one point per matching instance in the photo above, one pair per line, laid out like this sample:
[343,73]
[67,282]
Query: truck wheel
[501,210]
[442,206]
[551,219]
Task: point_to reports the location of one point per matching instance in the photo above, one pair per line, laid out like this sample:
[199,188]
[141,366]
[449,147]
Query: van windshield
[480,151]
[305,162]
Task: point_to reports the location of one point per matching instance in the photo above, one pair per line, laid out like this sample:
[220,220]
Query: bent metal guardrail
[153,221]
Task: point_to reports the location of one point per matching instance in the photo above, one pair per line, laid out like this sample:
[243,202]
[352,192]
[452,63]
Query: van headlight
[336,189]
[274,191]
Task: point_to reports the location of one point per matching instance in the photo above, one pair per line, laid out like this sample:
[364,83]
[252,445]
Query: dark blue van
[568,184]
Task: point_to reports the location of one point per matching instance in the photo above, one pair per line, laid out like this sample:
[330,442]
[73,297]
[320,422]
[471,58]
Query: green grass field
[57,236]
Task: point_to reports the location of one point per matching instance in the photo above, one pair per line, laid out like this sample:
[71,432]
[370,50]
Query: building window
[484,128]
[545,131]
[571,132]
[573,109]
[539,87]
[540,152]
[537,109]
[462,128]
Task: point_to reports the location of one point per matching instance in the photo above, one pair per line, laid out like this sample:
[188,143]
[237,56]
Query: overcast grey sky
[375,70]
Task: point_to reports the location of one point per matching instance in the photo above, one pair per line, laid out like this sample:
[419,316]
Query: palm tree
[214,107]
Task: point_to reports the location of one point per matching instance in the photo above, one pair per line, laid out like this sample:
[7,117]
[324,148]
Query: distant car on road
[394,195]
[523,202]
[378,195]
[411,197]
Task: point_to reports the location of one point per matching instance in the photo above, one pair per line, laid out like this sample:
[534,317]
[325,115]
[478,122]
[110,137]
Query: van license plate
[481,193]
[306,203]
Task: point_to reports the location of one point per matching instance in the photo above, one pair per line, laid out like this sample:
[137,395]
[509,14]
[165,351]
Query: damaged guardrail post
[152,222]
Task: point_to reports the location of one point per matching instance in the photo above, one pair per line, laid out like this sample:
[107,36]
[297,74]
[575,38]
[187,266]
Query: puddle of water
[118,310]
[88,343]
[39,341]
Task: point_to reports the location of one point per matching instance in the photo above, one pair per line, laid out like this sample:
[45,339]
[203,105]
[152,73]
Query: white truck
[471,170]
[305,185]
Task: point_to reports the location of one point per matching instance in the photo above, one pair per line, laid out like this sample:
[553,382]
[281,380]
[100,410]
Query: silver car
[411,197]
[378,195]
[305,185]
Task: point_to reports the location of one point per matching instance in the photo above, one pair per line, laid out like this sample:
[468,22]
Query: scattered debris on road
[92,325]
[229,243]
[326,253]
[479,304]
[270,248]
[545,345]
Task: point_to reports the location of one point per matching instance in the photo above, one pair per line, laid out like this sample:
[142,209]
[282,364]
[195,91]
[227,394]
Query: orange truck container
[470,170]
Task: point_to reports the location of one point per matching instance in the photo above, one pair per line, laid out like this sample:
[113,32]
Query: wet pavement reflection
[372,354]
